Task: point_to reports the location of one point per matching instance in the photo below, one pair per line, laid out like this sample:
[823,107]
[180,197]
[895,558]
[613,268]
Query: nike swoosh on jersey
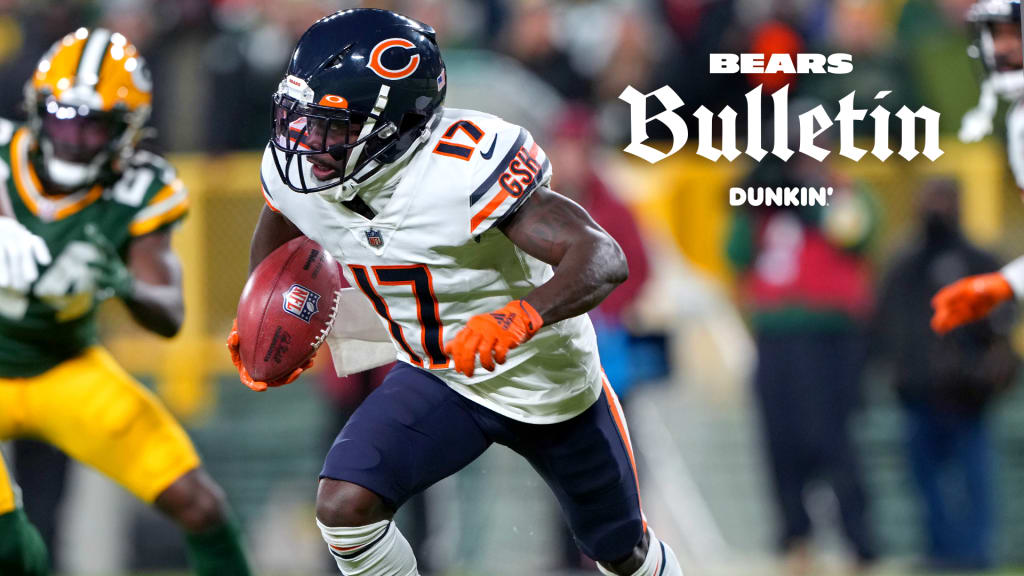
[490,151]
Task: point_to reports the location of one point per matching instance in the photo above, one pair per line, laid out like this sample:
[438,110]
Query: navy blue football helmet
[361,88]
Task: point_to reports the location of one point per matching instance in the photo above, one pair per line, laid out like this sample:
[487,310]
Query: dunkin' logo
[301,302]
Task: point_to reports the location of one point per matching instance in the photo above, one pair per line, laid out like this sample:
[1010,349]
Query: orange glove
[492,335]
[968,299]
[243,374]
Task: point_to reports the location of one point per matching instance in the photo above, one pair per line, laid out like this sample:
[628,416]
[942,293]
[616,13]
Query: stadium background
[702,468]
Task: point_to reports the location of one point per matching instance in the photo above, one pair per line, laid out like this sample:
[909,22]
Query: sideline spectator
[946,384]
[805,283]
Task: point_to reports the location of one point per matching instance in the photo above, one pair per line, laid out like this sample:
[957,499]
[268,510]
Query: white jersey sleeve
[1014,271]
[268,174]
[508,169]
[1015,142]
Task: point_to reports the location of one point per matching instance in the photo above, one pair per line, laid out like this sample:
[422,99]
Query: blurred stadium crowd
[840,430]
[216,61]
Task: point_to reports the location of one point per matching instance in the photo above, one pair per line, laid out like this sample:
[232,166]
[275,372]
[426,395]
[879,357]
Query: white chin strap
[343,192]
[348,189]
[70,174]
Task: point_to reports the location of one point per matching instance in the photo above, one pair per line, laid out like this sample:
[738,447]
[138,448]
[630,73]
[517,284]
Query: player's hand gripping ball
[490,336]
[286,310]
[968,300]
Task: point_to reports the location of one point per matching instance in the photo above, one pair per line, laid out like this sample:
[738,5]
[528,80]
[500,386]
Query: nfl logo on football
[300,302]
[374,238]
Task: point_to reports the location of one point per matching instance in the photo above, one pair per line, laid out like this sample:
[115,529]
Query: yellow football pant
[96,413]
[6,491]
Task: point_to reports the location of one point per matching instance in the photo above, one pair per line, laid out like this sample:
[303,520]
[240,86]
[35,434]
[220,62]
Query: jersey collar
[45,206]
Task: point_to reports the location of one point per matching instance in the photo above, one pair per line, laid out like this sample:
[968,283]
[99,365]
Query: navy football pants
[414,430]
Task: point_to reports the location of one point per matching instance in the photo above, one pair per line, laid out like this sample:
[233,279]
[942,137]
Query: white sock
[660,561]
[374,550]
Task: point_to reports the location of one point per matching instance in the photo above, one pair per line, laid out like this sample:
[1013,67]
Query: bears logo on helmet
[363,88]
[383,71]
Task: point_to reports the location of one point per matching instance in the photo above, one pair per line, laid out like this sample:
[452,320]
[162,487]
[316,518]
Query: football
[287,308]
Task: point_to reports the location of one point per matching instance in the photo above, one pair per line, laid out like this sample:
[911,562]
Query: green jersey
[55,320]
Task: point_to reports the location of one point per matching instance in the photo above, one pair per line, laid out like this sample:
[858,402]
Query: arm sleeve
[1015,144]
[516,168]
[164,203]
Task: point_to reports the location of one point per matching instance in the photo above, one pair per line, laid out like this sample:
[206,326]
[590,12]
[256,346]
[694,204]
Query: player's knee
[195,502]
[631,562]
[343,504]
[613,544]
[207,511]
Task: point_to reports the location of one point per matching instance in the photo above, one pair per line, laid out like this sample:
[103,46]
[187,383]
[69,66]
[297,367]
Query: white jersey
[1015,141]
[432,258]
[1014,271]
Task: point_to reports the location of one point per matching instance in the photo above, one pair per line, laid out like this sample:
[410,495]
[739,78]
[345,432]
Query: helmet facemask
[77,142]
[87,104]
[361,91]
[1005,74]
[324,147]
[997,46]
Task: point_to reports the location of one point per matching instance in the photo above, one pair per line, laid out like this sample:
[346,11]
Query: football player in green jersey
[85,216]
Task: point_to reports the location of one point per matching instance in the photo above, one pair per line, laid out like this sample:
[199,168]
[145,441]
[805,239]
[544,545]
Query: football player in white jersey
[999,47]
[444,221]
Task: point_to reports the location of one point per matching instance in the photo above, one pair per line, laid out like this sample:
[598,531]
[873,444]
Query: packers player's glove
[21,254]
[110,273]
[492,335]
[968,299]
[243,374]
